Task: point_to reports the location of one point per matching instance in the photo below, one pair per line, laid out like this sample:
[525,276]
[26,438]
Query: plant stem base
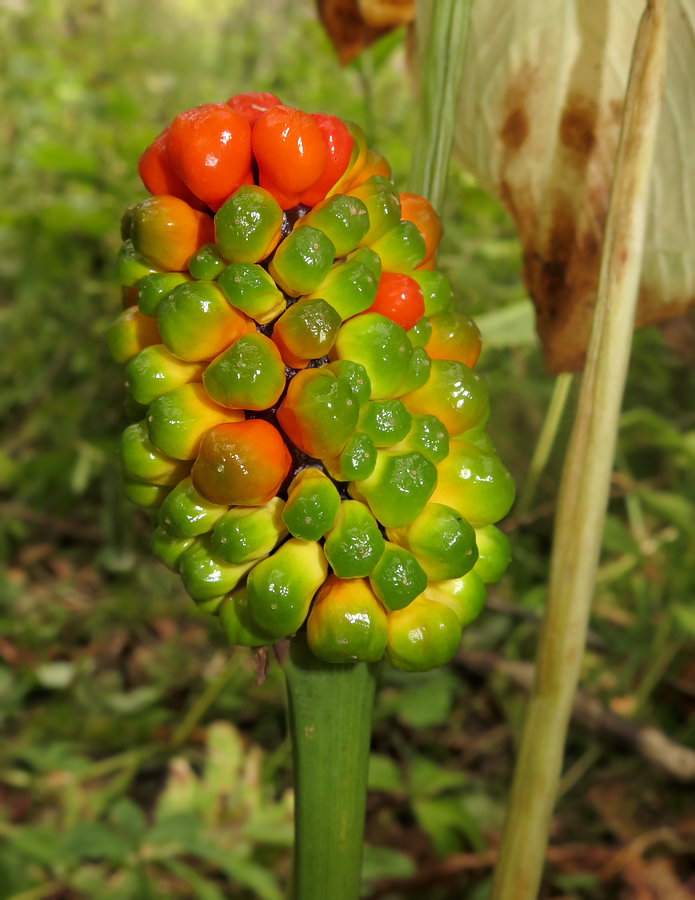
[330,718]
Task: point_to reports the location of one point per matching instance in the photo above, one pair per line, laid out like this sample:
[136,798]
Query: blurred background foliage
[138,759]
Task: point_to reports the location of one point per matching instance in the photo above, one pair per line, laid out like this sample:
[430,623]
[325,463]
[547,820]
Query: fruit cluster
[306,418]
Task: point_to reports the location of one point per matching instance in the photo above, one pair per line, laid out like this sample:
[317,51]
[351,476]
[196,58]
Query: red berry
[158,175]
[290,152]
[253,104]
[339,143]
[210,148]
[400,299]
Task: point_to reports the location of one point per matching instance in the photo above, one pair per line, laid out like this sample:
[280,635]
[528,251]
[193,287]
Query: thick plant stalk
[585,483]
[443,29]
[330,716]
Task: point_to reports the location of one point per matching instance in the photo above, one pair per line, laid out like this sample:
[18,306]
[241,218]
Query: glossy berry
[253,104]
[347,622]
[248,225]
[312,505]
[339,143]
[494,553]
[187,514]
[454,394]
[399,298]
[290,151]
[241,463]
[354,544]
[318,413]
[248,533]
[167,231]
[454,337]
[130,333]
[159,176]
[381,346]
[154,288]
[280,588]
[420,212]
[248,375]
[464,596]
[401,249]
[398,578]
[423,635]
[475,483]
[210,149]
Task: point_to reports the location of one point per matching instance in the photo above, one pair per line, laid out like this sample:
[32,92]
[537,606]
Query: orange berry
[241,463]
[339,143]
[454,337]
[253,104]
[400,299]
[158,175]
[210,148]
[290,152]
[373,165]
[168,232]
[420,212]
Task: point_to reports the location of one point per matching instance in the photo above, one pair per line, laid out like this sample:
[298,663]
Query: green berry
[398,578]
[387,422]
[154,371]
[442,540]
[351,285]
[436,291]
[464,596]
[143,462]
[130,333]
[423,636]
[383,206]
[168,548]
[475,483]
[302,261]
[280,588]
[208,263]
[453,393]
[354,544]
[347,623]
[381,346]
[318,412]
[356,461]
[356,377]
[419,371]
[186,513]
[344,220]
[204,574]
[238,623]
[308,329]
[312,505]
[248,375]
[249,533]
[149,496]
[248,287]
[401,249]
[399,487]
[197,322]
[152,289]
[131,266]
[494,553]
[247,225]
[428,436]
[421,332]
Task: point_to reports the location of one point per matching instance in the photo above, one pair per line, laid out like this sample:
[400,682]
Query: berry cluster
[306,418]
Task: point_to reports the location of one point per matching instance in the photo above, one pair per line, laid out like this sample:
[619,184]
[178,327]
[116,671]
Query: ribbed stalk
[329,709]
[586,478]
[442,28]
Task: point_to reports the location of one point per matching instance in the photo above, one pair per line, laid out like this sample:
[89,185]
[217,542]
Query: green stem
[330,718]
[546,440]
[586,476]
[442,28]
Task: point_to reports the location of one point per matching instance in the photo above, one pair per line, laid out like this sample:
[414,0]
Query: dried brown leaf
[538,124]
[352,25]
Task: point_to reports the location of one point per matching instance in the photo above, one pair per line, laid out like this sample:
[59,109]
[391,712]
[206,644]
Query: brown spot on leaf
[577,126]
[515,129]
